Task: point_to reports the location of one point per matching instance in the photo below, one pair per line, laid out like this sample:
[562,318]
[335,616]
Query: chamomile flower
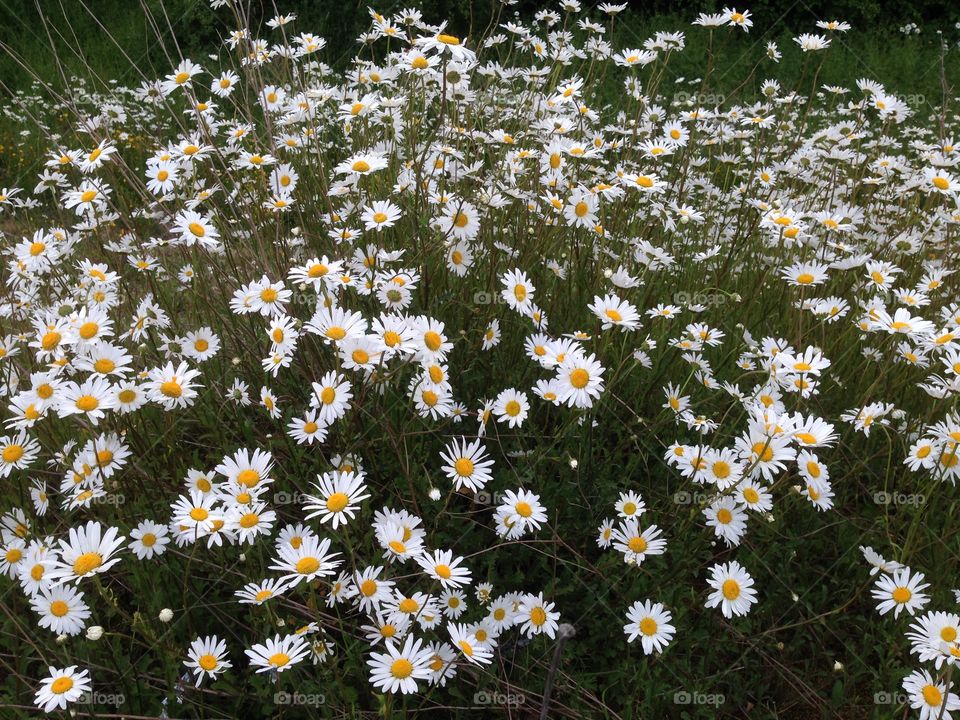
[279,653]
[650,622]
[62,686]
[206,658]
[732,589]
[338,498]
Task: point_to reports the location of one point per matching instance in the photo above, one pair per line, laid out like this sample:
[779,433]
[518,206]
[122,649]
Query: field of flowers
[509,375]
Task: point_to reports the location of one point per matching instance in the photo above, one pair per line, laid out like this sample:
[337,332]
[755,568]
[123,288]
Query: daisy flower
[278,653]
[172,387]
[399,668]
[651,623]
[61,610]
[732,589]
[900,591]
[312,559]
[467,464]
[441,565]
[62,686]
[536,617]
[206,657]
[87,551]
[338,497]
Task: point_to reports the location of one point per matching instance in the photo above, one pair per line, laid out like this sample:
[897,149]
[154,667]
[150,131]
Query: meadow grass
[714,239]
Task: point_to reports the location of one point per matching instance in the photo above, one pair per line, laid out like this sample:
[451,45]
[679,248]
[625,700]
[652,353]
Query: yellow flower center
[307,565]
[401,668]
[87,403]
[87,563]
[61,685]
[171,389]
[337,502]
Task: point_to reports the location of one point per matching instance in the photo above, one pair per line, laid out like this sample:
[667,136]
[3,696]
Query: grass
[812,647]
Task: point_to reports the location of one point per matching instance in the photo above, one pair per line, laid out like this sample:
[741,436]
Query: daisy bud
[235,361]
[94,632]
[434,494]
[574,463]
[243,557]
[838,666]
[607,272]
[166,615]
[61,639]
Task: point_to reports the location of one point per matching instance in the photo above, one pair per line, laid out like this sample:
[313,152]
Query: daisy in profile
[399,545]
[612,311]
[537,617]
[338,498]
[206,657]
[312,559]
[468,645]
[399,668]
[192,228]
[381,214]
[651,623]
[443,566]
[361,164]
[467,464]
[732,589]
[87,551]
[249,468]
[259,593]
[62,686]
[903,590]
[278,653]
[90,399]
